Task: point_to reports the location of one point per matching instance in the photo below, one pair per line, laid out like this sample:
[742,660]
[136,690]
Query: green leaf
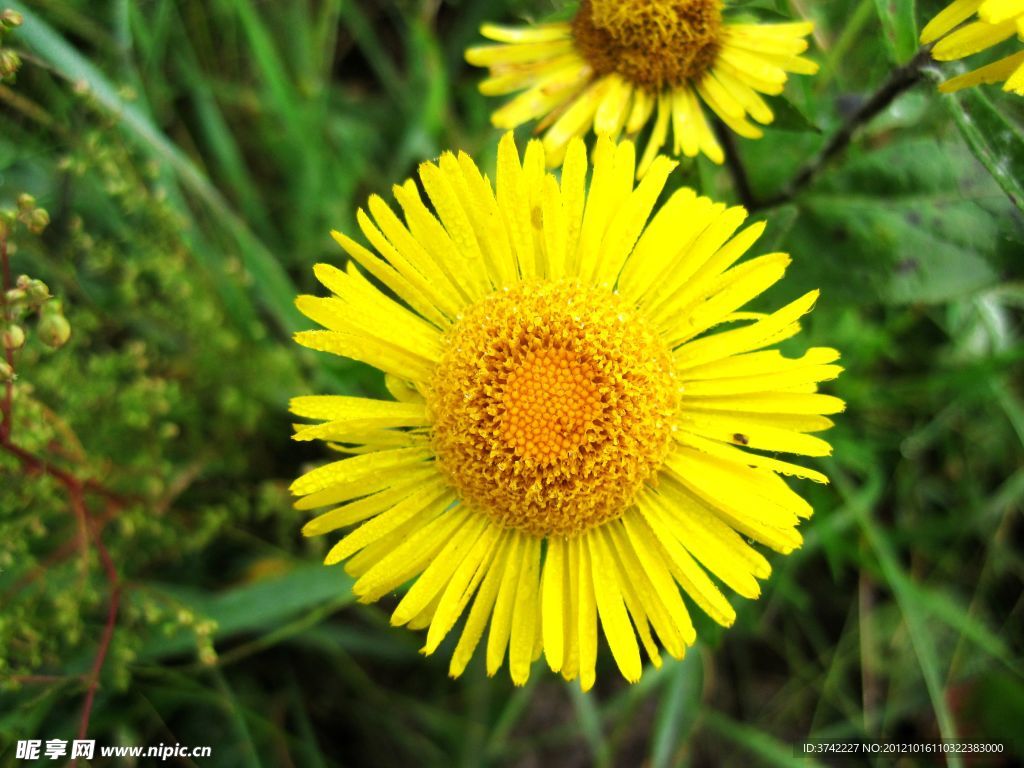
[767,749]
[900,28]
[995,707]
[945,607]
[260,607]
[775,7]
[678,710]
[588,719]
[921,637]
[233,706]
[789,117]
[994,138]
[911,222]
[515,707]
[306,740]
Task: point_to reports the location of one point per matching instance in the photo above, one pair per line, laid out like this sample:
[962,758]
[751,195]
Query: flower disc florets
[551,406]
[651,43]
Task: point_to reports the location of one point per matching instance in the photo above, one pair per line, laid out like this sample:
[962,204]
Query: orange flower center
[550,402]
[652,43]
[552,406]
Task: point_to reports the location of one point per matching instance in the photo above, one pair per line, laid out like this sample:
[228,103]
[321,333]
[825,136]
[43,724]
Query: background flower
[620,66]
[954,38]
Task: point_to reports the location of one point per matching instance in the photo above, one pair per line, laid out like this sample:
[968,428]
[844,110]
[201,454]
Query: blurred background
[193,156]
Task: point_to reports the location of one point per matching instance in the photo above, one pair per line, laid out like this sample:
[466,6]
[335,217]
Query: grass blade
[678,710]
[768,750]
[271,284]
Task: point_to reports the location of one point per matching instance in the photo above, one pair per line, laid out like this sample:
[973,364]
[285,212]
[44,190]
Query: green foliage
[899,27]
[193,157]
[910,221]
[128,404]
[995,138]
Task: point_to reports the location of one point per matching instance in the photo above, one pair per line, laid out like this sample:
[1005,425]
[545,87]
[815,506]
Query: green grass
[194,156]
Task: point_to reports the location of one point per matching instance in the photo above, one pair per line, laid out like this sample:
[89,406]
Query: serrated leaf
[913,222]
[789,117]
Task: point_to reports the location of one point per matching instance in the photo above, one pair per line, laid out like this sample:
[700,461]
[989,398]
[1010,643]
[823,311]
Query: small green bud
[207,655]
[11,19]
[13,337]
[54,330]
[6,372]
[10,63]
[52,307]
[7,222]
[37,221]
[15,296]
[26,202]
[23,282]
[37,291]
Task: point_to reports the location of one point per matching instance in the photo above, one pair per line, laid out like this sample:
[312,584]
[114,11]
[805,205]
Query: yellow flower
[998,20]
[568,446]
[621,64]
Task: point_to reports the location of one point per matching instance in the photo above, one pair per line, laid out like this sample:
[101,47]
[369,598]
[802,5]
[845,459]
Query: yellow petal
[463,585]
[611,609]
[526,614]
[424,500]
[955,14]
[684,569]
[357,511]
[345,471]
[586,620]
[501,620]
[971,39]
[439,572]
[411,556]
[482,606]
[553,600]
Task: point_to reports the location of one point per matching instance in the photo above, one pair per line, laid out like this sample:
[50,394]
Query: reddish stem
[6,263]
[78,505]
[76,489]
[34,464]
[59,555]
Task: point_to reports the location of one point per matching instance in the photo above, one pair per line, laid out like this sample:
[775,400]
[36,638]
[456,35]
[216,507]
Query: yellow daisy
[568,447]
[997,20]
[619,64]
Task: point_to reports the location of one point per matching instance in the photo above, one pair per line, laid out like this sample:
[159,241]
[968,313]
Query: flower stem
[899,81]
[738,171]
[108,628]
